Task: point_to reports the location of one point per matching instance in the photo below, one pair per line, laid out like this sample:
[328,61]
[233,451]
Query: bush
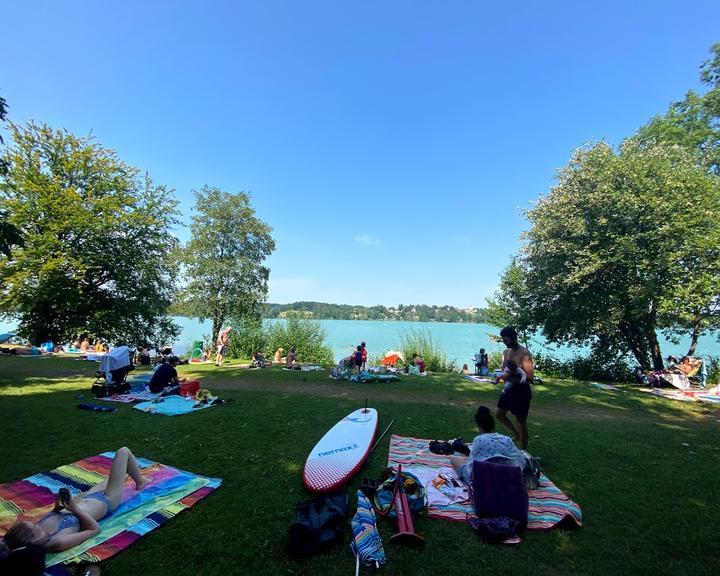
[712,365]
[421,343]
[248,336]
[307,336]
[595,366]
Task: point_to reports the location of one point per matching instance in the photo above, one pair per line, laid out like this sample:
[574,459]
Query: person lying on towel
[488,445]
[74,520]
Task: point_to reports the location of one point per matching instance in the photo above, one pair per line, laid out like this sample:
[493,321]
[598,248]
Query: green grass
[650,502]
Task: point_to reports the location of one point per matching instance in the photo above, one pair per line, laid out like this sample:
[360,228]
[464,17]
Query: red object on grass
[189,388]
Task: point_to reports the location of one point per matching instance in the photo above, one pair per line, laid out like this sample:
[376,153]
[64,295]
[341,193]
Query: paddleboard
[339,454]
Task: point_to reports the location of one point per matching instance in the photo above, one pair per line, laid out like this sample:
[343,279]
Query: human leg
[458,462]
[522,430]
[501,415]
[123,465]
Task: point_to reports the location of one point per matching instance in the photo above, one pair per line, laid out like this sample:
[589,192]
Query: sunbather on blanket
[488,445]
[74,520]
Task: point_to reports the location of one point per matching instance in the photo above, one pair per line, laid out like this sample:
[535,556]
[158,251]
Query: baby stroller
[111,377]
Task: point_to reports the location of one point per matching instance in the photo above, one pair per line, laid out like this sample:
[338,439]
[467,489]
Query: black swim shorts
[516,400]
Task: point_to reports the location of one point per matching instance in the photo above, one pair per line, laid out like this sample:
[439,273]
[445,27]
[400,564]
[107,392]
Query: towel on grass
[695,395]
[549,506]
[169,492]
[173,405]
[132,396]
[482,379]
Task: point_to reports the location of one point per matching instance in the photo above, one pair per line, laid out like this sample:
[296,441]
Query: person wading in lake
[516,399]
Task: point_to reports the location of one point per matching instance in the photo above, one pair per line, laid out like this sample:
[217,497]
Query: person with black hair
[516,398]
[487,446]
[74,520]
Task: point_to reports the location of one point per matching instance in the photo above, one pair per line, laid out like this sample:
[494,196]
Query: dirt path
[347,392]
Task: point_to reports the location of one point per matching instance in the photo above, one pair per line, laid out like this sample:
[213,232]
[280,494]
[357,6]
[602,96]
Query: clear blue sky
[390,145]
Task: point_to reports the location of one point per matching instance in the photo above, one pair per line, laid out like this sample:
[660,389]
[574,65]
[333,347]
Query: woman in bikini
[71,523]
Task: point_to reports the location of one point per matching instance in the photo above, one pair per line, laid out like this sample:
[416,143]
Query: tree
[9,234]
[96,239]
[623,239]
[694,122]
[224,259]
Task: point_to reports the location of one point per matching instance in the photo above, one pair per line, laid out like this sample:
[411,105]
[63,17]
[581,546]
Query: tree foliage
[694,122]
[96,235]
[224,259]
[623,238]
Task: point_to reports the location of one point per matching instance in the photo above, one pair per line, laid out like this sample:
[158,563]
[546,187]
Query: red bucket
[189,388]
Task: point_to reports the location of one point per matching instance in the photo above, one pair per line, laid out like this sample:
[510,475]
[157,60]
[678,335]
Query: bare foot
[139,485]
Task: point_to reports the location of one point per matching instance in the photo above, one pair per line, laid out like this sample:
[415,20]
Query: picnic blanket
[549,506]
[696,395]
[169,492]
[132,396]
[173,405]
[474,378]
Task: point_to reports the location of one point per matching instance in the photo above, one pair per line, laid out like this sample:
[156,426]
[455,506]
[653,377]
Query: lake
[459,341]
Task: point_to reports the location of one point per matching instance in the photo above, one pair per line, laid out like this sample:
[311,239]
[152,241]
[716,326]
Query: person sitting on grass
[487,446]
[291,358]
[482,363]
[75,520]
[165,376]
[419,362]
[258,360]
[278,356]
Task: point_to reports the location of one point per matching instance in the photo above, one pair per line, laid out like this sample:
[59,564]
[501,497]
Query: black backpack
[319,525]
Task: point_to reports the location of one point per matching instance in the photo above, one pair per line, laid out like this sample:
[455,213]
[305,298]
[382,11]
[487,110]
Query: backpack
[414,490]
[319,524]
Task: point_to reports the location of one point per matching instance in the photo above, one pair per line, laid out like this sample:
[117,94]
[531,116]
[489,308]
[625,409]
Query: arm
[88,528]
[527,366]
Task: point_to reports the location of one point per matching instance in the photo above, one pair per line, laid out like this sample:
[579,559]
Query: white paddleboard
[341,452]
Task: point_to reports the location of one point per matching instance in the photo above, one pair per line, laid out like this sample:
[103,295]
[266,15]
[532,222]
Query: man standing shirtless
[516,398]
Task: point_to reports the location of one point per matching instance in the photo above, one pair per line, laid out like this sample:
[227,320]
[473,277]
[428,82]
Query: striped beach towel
[549,506]
[366,544]
[169,492]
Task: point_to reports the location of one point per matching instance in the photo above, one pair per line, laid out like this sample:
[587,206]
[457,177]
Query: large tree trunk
[653,343]
[634,339]
[694,336]
[216,326]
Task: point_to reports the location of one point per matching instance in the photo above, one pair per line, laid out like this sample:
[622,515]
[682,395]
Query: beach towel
[481,379]
[701,395]
[169,492]
[549,506]
[608,387]
[132,396]
[171,406]
[366,543]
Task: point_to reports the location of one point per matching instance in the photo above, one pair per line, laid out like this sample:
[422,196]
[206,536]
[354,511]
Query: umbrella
[366,543]
[391,357]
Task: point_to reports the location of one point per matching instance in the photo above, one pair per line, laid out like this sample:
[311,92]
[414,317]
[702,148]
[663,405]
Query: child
[512,375]
[364,354]
[358,359]
[465,369]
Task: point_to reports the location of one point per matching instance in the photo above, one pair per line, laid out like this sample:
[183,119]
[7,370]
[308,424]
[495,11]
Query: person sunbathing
[74,520]
[687,365]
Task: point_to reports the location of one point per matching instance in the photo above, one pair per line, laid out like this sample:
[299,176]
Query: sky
[391,146]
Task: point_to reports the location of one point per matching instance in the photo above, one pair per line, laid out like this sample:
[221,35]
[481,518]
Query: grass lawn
[645,470]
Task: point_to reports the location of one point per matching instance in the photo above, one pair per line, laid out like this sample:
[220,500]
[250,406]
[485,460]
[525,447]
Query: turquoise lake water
[459,341]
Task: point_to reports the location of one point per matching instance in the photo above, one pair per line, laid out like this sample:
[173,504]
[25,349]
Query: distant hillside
[411,312]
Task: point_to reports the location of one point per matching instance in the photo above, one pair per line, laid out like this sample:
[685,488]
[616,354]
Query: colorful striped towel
[549,506]
[366,543]
[169,492]
[173,405]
